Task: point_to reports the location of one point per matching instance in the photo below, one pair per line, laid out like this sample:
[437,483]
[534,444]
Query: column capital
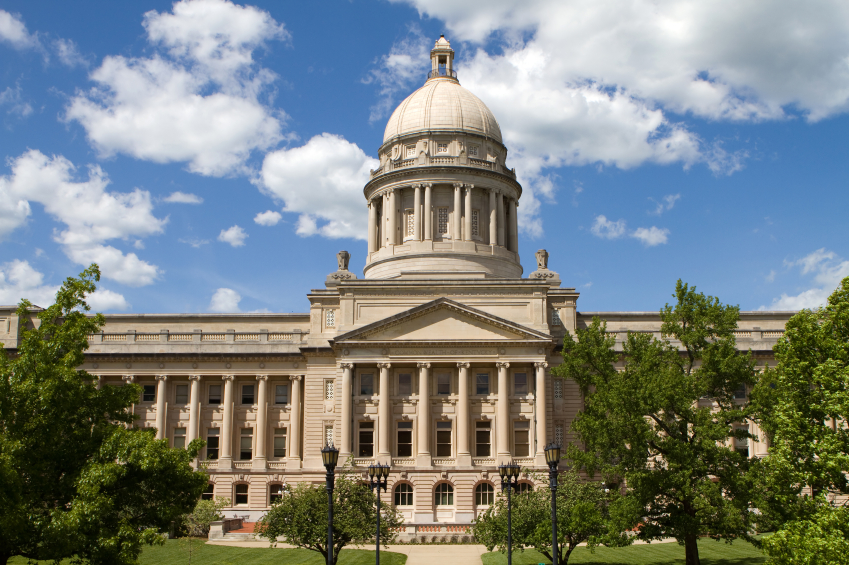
[463,365]
[228,377]
[416,185]
[195,377]
[262,377]
[427,184]
[541,364]
[495,190]
[423,365]
[502,364]
[346,365]
[458,185]
[384,365]
[161,377]
[129,378]
[296,378]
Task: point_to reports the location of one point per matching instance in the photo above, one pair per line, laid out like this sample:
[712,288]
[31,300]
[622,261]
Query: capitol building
[435,360]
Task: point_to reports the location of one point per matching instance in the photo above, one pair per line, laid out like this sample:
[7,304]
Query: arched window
[524,488]
[241,494]
[404,495]
[208,493]
[484,494]
[275,493]
[444,495]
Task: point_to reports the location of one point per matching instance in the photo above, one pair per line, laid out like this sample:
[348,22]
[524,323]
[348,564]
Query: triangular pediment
[442,320]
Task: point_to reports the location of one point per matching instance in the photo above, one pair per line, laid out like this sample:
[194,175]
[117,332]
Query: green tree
[587,512]
[661,415]
[206,512]
[300,517]
[803,406]
[74,479]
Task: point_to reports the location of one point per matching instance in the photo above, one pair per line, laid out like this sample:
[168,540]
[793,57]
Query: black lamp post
[378,475]
[329,456]
[509,479]
[552,457]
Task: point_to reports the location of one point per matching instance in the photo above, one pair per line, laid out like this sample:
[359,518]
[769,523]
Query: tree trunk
[691,550]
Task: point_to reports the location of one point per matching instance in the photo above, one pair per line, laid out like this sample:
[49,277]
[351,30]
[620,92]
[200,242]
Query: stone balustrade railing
[442,160]
[263,336]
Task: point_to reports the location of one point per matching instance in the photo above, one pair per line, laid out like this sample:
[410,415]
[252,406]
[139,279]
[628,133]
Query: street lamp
[509,478]
[378,475]
[552,457]
[329,456]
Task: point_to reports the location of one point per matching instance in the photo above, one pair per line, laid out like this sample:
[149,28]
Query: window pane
[405,441]
[520,380]
[443,383]
[482,383]
[366,439]
[484,494]
[405,384]
[247,394]
[215,394]
[180,438]
[246,444]
[521,433]
[403,495]
[182,394]
[366,385]
[281,394]
[209,493]
[149,393]
[444,495]
[443,439]
[241,494]
[482,439]
[280,442]
[212,443]
[275,493]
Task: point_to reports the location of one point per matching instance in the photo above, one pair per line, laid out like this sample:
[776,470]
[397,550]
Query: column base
[293,463]
[464,459]
[225,464]
[539,460]
[259,464]
[503,458]
[424,460]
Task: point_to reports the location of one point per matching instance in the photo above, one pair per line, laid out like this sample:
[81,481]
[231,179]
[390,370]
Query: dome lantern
[442,60]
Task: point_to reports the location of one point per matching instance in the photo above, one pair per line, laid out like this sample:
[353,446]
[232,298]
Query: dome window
[410,151]
[442,148]
[473,150]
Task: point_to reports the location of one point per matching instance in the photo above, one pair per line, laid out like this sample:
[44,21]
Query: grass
[175,552]
[711,552]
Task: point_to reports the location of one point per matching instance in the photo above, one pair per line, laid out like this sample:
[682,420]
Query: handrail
[442,73]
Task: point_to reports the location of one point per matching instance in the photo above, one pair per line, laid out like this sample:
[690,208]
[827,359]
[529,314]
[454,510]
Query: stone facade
[437,362]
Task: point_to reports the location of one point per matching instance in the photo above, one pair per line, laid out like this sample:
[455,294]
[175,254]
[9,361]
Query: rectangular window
[280,442]
[281,394]
[473,150]
[405,439]
[410,151]
[328,389]
[443,439]
[212,443]
[740,392]
[443,383]
[482,383]
[555,318]
[558,434]
[521,437]
[405,384]
[442,221]
[179,438]
[409,222]
[148,393]
[476,216]
[483,439]
[520,383]
[330,318]
[366,439]
[215,394]
[247,394]
[442,148]
[241,494]
[367,385]
[558,389]
[209,493]
[182,394]
[246,441]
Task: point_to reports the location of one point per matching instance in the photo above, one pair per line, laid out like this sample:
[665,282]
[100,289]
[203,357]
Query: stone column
[194,407]
[502,415]
[458,213]
[372,226]
[393,217]
[161,381]
[428,213]
[542,412]
[347,400]
[295,419]
[261,422]
[493,218]
[423,416]
[225,459]
[500,204]
[417,212]
[383,411]
[467,214]
[385,221]
[464,455]
[514,226]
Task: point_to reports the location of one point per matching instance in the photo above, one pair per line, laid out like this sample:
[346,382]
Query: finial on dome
[442,60]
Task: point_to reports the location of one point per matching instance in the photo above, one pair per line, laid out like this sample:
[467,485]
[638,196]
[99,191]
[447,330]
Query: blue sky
[210,156]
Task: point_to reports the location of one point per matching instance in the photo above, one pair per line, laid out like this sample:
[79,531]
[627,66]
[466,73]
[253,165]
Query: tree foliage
[587,512]
[74,479]
[803,405]
[299,517]
[662,416]
[197,523]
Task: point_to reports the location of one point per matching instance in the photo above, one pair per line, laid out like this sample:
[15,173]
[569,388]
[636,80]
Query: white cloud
[404,66]
[91,215]
[14,32]
[183,198]
[68,53]
[225,300]
[197,100]
[771,276]
[194,242]
[651,236]
[606,229]
[828,270]
[666,203]
[18,280]
[102,300]
[323,182]
[268,218]
[14,100]
[234,235]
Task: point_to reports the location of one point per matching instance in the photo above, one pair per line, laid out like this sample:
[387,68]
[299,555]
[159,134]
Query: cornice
[450,169]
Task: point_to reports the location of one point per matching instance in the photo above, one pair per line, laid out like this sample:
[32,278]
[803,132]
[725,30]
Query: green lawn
[175,552]
[711,553]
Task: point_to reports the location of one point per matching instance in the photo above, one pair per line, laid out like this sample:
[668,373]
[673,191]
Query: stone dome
[442,105]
